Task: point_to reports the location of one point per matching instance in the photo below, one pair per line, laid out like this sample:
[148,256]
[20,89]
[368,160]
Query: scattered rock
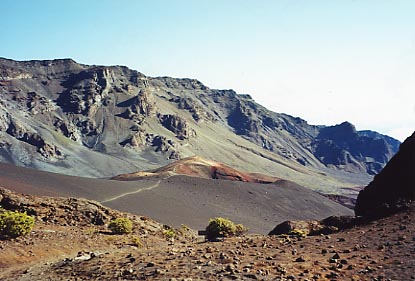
[300,259]
[336,256]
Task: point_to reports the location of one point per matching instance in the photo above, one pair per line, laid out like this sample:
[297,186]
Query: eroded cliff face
[48,107]
[341,146]
[67,117]
[393,187]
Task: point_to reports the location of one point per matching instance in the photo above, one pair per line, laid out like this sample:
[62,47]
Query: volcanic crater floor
[380,250]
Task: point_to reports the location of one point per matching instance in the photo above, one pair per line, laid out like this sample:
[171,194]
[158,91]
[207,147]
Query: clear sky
[324,61]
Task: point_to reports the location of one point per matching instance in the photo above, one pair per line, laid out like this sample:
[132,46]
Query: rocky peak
[393,143]
[137,140]
[342,146]
[165,146]
[339,133]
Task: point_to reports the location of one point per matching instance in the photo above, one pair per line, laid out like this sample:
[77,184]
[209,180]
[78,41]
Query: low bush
[221,227]
[298,232]
[136,241]
[169,233]
[240,229]
[15,224]
[121,226]
[185,228]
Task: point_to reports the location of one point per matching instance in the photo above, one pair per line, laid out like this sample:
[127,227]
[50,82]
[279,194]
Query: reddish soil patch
[202,168]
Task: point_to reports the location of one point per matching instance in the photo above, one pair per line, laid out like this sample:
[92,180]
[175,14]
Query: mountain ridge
[100,121]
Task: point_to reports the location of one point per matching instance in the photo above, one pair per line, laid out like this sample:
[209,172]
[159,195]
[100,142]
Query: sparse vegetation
[240,229]
[91,231]
[185,228]
[121,226]
[136,241]
[169,233]
[15,224]
[221,227]
[298,232]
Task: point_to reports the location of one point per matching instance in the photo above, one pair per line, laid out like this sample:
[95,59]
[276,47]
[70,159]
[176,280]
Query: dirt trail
[136,191]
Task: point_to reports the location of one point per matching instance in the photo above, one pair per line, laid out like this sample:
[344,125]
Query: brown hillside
[199,167]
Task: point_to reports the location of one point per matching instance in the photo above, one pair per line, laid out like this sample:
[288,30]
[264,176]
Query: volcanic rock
[166,146]
[178,126]
[20,132]
[91,113]
[343,146]
[142,104]
[393,187]
[62,211]
[138,139]
[191,105]
[312,227]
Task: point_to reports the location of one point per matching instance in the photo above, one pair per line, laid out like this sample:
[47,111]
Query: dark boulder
[312,227]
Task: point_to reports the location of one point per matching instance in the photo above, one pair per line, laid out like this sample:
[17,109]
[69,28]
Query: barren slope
[186,200]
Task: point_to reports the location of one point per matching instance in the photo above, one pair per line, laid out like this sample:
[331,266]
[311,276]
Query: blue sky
[324,61]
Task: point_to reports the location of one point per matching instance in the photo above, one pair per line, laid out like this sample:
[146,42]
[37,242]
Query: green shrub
[121,226]
[240,229]
[185,228]
[15,224]
[221,227]
[298,232]
[136,241]
[169,233]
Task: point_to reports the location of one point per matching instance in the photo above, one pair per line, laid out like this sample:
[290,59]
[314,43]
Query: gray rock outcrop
[94,112]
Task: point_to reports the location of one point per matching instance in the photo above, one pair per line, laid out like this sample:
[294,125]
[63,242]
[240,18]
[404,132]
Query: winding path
[132,192]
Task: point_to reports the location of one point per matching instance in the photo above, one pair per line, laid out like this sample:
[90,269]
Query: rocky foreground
[383,250]
[71,242]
